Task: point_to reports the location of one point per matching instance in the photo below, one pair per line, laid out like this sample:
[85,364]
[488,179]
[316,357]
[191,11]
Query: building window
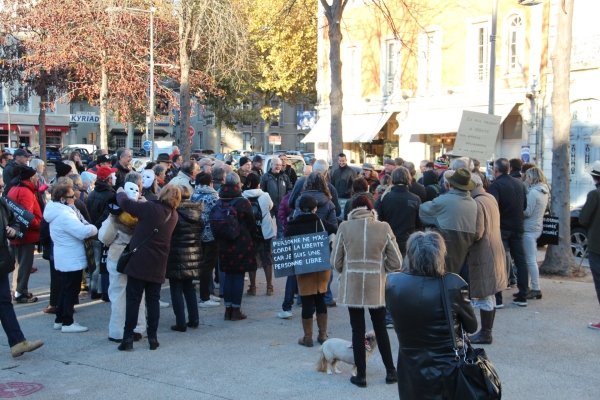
[482,52]
[277,121]
[515,44]
[246,107]
[24,108]
[209,119]
[247,137]
[352,72]
[121,141]
[137,142]
[391,67]
[430,61]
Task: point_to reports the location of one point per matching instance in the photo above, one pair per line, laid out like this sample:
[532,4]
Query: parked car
[297,163]
[137,152]
[52,153]
[86,158]
[206,152]
[578,233]
[308,156]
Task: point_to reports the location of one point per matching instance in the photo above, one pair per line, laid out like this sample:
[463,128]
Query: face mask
[132,191]
[113,179]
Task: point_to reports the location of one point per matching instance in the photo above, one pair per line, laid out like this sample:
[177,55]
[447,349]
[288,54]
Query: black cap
[244,161]
[307,203]
[21,152]
[257,158]
[62,169]
[103,158]
[26,173]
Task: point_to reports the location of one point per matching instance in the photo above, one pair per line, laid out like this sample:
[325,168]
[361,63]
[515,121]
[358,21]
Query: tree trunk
[333,14]
[42,132]
[559,259]
[104,110]
[184,102]
[130,133]
[218,127]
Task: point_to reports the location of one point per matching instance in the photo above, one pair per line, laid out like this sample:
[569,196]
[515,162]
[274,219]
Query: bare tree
[559,258]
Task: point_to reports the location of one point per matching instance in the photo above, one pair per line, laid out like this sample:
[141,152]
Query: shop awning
[357,128]
[442,120]
[26,130]
[53,129]
[4,127]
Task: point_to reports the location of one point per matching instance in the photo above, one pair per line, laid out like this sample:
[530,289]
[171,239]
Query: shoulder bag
[7,262]
[474,377]
[126,254]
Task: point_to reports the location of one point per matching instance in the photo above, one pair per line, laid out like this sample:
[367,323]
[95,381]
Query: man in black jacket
[20,158]
[277,185]
[322,167]
[123,166]
[512,201]
[287,169]
[415,187]
[343,177]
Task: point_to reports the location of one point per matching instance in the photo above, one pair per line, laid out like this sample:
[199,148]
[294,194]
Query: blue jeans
[291,287]
[7,314]
[594,259]
[234,289]
[179,290]
[221,282]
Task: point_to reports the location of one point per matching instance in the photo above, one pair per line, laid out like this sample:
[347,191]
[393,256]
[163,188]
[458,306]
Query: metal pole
[492,66]
[151,105]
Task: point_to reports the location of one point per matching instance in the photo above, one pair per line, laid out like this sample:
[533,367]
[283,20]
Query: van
[297,162]
[89,147]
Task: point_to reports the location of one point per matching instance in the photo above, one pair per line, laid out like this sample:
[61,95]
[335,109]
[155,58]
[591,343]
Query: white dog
[334,350]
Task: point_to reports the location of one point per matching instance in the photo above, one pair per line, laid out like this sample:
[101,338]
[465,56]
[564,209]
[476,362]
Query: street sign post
[147,145]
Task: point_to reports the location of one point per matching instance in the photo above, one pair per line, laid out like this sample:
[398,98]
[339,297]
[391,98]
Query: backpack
[223,221]
[258,215]
[435,188]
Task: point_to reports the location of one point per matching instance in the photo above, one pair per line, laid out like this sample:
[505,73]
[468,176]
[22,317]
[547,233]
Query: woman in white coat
[537,202]
[268,229]
[68,230]
[116,232]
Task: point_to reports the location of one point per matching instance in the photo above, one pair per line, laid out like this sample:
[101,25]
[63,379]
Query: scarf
[79,215]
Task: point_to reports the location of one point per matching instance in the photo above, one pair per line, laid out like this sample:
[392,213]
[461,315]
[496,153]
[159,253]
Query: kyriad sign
[82,116]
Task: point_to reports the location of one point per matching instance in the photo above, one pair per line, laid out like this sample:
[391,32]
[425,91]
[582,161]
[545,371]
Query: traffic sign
[275,139]
[191,140]
[147,145]
[192,131]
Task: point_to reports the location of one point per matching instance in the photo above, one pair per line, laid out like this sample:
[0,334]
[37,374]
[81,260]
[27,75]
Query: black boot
[153,343]
[484,336]
[391,376]
[126,344]
[360,381]
[179,328]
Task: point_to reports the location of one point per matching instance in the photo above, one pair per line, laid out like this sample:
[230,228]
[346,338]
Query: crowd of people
[120,233]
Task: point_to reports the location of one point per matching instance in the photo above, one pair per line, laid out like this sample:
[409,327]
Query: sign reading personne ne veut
[84,116]
[23,216]
[476,136]
[549,230]
[302,254]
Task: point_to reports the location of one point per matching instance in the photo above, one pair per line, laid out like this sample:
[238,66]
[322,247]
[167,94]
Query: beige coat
[487,260]
[363,251]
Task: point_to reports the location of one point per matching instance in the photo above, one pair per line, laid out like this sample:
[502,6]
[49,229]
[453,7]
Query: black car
[86,158]
[578,233]
[138,152]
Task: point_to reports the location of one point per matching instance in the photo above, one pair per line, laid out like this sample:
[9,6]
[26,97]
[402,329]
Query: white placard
[476,136]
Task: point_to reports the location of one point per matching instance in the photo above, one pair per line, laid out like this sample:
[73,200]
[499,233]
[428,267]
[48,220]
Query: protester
[176,165]
[430,181]
[389,166]
[9,228]
[589,217]
[123,166]
[24,193]
[100,158]
[284,212]
[48,254]
[426,353]
[288,169]
[308,169]
[486,260]
[316,186]
[512,200]
[311,286]
[174,152]
[342,177]
[68,230]
[146,268]
[359,187]
[537,203]
[400,208]
[4,159]
[415,187]
[164,160]
[476,170]
[184,256]
[149,185]
[454,215]
[205,165]
[386,183]
[257,165]
[244,168]
[364,250]
[515,167]
[218,175]
[11,170]
[277,184]
[75,156]
[39,167]
[369,174]
[205,194]
[236,257]
[186,175]
[320,166]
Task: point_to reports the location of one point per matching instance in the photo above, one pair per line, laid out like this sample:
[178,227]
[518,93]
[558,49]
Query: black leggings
[357,321]
[309,303]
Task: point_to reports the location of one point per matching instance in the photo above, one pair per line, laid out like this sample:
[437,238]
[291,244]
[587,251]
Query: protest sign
[476,136]
[23,217]
[302,254]
[549,230]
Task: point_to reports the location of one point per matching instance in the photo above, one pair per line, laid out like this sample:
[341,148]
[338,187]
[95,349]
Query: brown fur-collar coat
[363,251]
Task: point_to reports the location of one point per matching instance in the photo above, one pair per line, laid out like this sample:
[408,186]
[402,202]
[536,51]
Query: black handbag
[474,377]
[126,254]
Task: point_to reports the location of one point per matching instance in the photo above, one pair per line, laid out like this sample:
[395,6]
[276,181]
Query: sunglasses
[2,186]
[69,197]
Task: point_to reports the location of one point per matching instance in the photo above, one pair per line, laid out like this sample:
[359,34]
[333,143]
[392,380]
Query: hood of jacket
[253,193]
[191,212]
[102,186]
[228,191]
[362,213]
[55,210]
[321,198]
[540,187]
[430,178]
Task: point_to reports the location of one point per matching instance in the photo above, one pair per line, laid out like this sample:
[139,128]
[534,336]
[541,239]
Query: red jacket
[24,194]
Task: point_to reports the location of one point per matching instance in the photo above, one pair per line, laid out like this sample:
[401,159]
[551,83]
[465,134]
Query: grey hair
[159,169]
[121,151]
[401,176]
[218,173]
[134,177]
[462,162]
[76,178]
[447,175]
[188,167]
[476,179]
[63,180]
[410,167]
[35,163]
[321,166]
[232,178]
[425,252]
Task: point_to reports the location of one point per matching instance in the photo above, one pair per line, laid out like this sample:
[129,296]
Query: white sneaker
[73,328]
[164,304]
[284,314]
[57,325]
[208,303]
[216,299]
[246,278]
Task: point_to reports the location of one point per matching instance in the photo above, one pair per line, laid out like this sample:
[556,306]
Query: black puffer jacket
[97,202]
[342,179]
[121,174]
[430,181]
[400,209]
[185,253]
[419,190]
[426,350]
[511,196]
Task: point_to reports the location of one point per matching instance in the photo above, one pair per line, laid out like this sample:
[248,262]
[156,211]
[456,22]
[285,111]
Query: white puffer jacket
[537,201]
[67,234]
[268,224]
